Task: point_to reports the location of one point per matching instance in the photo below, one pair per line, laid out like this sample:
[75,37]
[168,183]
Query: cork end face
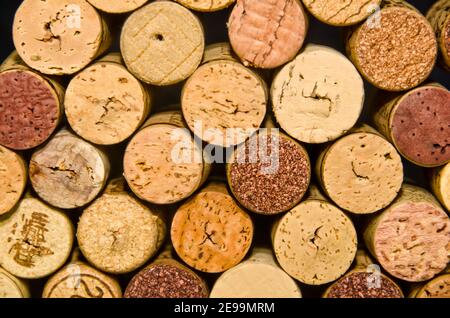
[206,5]
[436,288]
[117,6]
[11,287]
[13,178]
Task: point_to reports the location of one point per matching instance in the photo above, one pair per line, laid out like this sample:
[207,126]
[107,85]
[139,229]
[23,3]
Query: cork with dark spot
[439,17]
[68,172]
[267,33]
[12,287]
[352,171]
[315,242]
[411,237]
[206,5]
[417,123]
[61,37]
[440,185]
[210,232]
[117,6]
[438,287]
[396,50]
[162,43]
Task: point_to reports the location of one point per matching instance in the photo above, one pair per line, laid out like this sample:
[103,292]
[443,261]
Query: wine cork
[163,164]
[105,104]
[439,17]
[13,179]
[269,173]
[318,96]
[35,240]
[438,287]
[117,6]
[210,232]
[68,172]
[396,50]
[341,13]
[162,43]
[62,37]
[417,124]
[218,52]
[257,277]
[440,185]
[30,105]
[315,242]
[267,33]
[12,287]
[206,5]
[361,172]
[117,233]
[411,238]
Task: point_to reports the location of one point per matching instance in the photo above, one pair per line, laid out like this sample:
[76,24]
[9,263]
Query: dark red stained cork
[421,126]
[29,109]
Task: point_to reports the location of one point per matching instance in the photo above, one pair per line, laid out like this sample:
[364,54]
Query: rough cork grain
[117,6]
[206,5]
[440,185]
[438,287]
[12,287]
[267,33]
[439,17]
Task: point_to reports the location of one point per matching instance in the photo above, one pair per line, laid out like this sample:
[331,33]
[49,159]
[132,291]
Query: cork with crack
[352,171]
[162,43]
[104,103]
[68,172]
[206,5]
[318,96]
[440,184]
[59,37]
[439,17]
[438,287]
[411,237]
[210,232]
[117,6]
[12,287]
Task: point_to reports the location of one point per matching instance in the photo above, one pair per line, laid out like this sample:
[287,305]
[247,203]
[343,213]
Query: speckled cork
[411,238]
[267,33]
[117,233]
[117,6]
[439,17]
[35,240]
[438,287]
[396,51]
[318,96]
[12,287]
[162,43]
[105,104]
[59,37]
[417,123]
[13,179]
[68,172]
[210,232]
[353,171]
[206,5]
[315,242]
[440,185]
[257,277]
[163,164]
[341,13]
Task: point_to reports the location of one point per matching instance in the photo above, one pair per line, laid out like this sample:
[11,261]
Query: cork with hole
[12,287]
[440,184]
[439,17]
[206,5]
[117,6]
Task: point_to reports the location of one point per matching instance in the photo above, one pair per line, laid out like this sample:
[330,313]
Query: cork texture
[440,185]
[117,6]
[206,5]
[12,287]
[438,287]
[439,17]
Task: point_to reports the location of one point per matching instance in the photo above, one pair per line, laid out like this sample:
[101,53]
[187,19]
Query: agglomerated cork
[440,185]
[68,172]
[12,287]
[439,17]
[417,123]
[117,233]
[163,164]
[438,287]
[396,50]
[257,277]
[117,6]
[318,96]
[341,13]
[78,280]
[162,43]
[61,37]
[210,232]
[35,240]
[206,5]
[361,172]
[105,104]
[411,237]
[267,33]
[315,242]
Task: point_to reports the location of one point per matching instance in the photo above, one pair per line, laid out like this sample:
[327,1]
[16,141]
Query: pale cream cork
[162,43]
[440,185]
[105,104]
[318,96]
[117,6]
[439,17]
[257,277]
[35,240]
[206,5]
[438,287]
[59,37]
[12,287]
[68,172]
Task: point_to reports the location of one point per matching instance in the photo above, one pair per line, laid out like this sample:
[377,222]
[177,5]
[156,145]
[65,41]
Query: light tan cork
[218,52]
[163,163]
[68,172]
[12,287]
[59,37]
[361,172]
[206,5]
[318,96]
[315,242]
[35,240]
[105,104]
[440,185]
[411,237]
[162,43]
[210,232]
[439,17]
[117,233]
[257,277]
[438,287]
[13,179]
[117,6]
